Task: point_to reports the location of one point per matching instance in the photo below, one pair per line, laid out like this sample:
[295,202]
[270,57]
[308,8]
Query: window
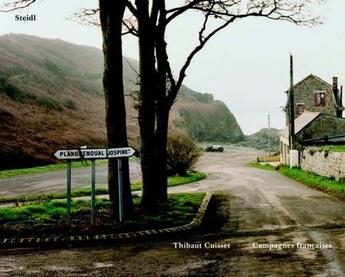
[320,98]
[300,108]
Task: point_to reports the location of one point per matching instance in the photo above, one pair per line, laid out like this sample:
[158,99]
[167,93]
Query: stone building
[318,111]
[316,95]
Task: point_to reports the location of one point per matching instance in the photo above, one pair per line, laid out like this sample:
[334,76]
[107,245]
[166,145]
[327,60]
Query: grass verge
[192,176]
[332,148]
[4,174]
[49,216]
[308,178]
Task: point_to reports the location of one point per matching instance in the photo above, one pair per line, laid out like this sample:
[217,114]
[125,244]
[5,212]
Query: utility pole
[269,134]
[292,108]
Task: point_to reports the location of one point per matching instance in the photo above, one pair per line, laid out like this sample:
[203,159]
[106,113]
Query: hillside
[51,97]
[259,140]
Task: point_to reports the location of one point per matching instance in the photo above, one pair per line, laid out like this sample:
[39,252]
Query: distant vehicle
[214,148]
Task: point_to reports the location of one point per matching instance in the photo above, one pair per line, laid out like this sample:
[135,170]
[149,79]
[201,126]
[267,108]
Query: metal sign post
[93,192]
[93,154]
[120,185]
[69,175]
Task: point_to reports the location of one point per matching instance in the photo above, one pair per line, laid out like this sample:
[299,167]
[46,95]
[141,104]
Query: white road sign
[91,154]
[120,152]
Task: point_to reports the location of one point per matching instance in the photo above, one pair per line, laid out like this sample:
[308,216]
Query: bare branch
[16,5]
[228,11]
[130,25]
[87,17]
[175,12]
[172,95]
[131,8]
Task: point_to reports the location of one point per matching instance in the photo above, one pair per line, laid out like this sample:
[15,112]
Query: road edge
[60,240]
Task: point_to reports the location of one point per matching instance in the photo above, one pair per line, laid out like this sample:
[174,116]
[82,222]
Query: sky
[246,66]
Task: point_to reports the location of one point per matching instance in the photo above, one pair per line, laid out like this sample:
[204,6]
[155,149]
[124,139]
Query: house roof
[301,122]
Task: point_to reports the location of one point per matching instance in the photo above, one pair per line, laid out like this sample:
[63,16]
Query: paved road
[56,181]
[256,207]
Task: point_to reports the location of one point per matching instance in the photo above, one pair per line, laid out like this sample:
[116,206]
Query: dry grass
[270,159]
[50,71]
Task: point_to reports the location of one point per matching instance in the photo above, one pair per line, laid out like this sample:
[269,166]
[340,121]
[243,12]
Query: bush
[11,91]
[70,104]
[183,153]
[49,103]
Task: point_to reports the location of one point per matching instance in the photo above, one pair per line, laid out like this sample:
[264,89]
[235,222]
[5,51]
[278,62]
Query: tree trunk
[161,183]
[154,165]
[150,142]
[111,15]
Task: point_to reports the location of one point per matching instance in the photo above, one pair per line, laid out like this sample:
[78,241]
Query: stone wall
[324,163]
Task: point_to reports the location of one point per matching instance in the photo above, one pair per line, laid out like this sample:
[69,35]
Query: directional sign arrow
[92,154]
[120,152]
[67,154]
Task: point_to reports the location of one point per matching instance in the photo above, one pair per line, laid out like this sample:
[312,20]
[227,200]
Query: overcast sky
[246,66]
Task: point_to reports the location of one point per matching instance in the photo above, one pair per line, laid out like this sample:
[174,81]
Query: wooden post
[93,192]
[69,200]
[292,108]
[269,134]
[120,185]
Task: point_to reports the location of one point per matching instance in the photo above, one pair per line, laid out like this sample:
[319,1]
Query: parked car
[214,148]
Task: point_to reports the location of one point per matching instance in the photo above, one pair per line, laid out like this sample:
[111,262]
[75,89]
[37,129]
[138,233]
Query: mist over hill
[51,97]
[259,140]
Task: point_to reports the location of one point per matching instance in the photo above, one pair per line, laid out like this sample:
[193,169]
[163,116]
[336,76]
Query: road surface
[55,181]
[257,208]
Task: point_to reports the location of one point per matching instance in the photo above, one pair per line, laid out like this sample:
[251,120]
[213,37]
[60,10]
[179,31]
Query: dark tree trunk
[153,142]
[154,164]
[111,15]
[161,183]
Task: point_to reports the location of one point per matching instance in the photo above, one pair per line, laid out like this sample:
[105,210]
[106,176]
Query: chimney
[341,96]
[335,90]
[340,103]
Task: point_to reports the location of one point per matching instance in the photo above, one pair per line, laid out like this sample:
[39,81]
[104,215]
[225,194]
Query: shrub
[10,90]
[183,153]
[49,103]
[70,104]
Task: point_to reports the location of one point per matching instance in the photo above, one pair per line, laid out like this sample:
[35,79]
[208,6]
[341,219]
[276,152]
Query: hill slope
[51,97]
[259,140]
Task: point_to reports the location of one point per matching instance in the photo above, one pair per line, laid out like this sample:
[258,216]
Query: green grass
[4,174]
[180,209]
[332,148]
[313,180]
[308,178]
[192,176]
[46,210]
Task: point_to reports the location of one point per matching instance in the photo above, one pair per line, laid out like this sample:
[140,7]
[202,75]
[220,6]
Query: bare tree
[159,86]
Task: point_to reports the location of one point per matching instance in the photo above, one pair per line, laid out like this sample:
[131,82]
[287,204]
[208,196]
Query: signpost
[93,155]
